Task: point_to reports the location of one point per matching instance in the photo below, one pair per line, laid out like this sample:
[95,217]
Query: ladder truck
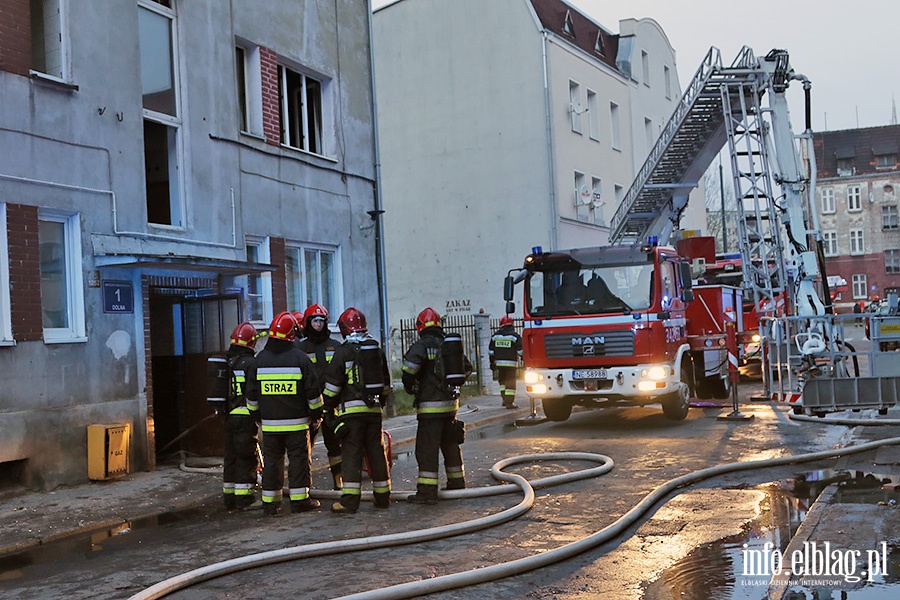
[644,333]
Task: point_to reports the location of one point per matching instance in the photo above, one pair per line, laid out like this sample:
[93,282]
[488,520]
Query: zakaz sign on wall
[118,297]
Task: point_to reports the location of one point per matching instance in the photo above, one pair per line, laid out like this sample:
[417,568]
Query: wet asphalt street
[677,552]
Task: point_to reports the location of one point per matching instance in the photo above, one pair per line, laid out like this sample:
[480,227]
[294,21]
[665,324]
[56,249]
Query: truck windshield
[590,290]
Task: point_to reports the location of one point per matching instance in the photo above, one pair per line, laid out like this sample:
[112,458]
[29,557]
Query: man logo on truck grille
[590,345]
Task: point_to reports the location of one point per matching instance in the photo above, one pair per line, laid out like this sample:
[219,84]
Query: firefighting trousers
[332,443]
[507,378]
[363,439]
[434,436]
[296,445]
[239,460]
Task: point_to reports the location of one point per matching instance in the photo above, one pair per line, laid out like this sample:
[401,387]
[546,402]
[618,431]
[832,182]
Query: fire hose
[514,482]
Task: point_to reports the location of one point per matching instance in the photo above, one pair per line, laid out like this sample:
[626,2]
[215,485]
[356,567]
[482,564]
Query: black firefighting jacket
[284,386]
[344,392]
[422,375]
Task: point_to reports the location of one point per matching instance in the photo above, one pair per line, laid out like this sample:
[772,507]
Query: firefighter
[357,385]
[505,350]
[436,404]
[318,344]
[239,461]
[283,384]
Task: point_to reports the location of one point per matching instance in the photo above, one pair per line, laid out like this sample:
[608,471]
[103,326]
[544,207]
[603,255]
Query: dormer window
[845,167]
[598,45]
[885,161]
[569,26]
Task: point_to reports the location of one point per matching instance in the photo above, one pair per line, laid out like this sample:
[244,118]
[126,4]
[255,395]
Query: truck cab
[606,326]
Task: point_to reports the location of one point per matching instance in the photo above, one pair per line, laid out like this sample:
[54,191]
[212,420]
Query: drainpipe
[554,209]
[378,211]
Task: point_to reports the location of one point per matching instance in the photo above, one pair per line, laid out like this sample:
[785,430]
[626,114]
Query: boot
[456,484]
[228,499]
[300,506]
[338,481]
[382,500]
[339,508]
[255,505]
[425,494]
[271,509]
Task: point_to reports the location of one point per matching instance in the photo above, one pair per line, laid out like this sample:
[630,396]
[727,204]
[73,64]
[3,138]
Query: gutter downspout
[378,211]
[551,159]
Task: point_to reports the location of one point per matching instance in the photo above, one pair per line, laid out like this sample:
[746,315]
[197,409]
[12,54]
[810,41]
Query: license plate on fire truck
[589,374]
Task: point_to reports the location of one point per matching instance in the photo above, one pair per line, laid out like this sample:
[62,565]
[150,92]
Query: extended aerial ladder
[779,241]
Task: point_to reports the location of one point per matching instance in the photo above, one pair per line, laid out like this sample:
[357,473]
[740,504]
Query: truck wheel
[675,406]
[702,389]
[556,409]
[720,388]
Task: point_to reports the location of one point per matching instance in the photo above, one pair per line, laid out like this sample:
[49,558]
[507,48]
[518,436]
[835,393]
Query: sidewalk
[28,520]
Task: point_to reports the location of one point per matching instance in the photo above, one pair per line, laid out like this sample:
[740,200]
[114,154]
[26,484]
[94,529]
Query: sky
[849,50]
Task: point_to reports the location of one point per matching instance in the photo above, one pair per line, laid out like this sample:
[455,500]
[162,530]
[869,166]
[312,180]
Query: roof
[579,29]
[858,146]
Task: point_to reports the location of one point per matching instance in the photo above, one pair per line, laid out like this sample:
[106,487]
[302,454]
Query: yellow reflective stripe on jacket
[355,407]
[285,425]
[241,410]
[437,407]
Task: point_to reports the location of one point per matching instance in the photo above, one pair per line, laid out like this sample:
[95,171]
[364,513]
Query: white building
[170,168]
[505,125]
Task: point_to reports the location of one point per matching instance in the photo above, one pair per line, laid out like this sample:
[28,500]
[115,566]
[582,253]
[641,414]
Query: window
[312,277]
[885,161]
[859,286]
[62,294]
[48,38]
[259,285]
[582,194]
[598,43]
[575,107]
[889,218]
[892,261]
[854,198]
[619,193]
[829,243]
[648,134]
[5,315]
[162,126]
[568,25]
[249,88]
[667,81]
[827,201]
[845,167]
[597,199]
[615,127]
[593,115]
[301,110]
[645,67]
[857,242]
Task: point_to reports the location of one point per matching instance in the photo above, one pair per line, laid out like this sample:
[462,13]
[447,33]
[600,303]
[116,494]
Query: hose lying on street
[502,570]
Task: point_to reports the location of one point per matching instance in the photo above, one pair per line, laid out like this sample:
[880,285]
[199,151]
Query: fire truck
[624,323]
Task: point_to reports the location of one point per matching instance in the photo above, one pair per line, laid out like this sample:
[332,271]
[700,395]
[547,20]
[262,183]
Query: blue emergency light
[537,250]
[653,240]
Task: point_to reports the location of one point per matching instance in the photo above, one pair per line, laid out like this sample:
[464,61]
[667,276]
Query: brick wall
[15,36]
[271,115]
[24,272]
[279,287]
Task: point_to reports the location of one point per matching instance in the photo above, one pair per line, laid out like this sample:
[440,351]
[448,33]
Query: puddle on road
[716,571]
[12,565]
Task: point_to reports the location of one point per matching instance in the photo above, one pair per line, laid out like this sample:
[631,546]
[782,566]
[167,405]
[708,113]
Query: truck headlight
[538,388]
[755,338]
[532,377]
[654,373]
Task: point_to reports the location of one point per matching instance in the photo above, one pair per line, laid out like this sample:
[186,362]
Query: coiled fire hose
[516,482]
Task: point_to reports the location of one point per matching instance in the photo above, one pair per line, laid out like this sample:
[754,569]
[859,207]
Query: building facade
[858,196]
[506,125]
[170,169]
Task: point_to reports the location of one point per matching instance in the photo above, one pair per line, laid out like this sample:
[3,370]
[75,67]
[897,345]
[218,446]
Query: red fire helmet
[351,321]
[427,318]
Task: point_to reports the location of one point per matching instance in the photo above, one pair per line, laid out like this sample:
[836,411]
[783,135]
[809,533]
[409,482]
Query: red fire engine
[622,325]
